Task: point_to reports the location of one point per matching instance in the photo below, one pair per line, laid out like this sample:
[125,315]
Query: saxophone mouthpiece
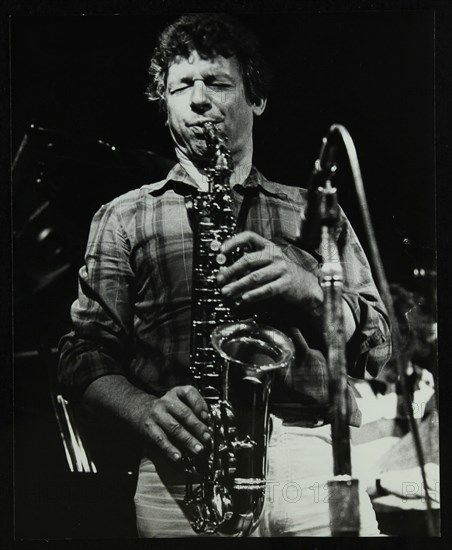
[216,142]
[211,135]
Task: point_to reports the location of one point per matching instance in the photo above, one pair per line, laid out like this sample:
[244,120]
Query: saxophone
[232,362]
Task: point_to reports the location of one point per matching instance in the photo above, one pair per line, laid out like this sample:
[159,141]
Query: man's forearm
[113,395]
[174,423]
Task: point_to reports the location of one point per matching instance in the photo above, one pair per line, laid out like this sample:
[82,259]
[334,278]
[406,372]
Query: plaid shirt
[133,313]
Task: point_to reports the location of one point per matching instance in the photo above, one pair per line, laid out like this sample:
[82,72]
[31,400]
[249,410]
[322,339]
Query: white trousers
[300,464]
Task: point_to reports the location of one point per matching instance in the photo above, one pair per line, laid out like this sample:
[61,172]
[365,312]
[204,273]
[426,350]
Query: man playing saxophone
[128,353]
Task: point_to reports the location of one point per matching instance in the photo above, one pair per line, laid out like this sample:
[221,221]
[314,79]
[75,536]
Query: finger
[159,438]
[191,397]
[248,262]
[244,240]
[186,418]
[253,280]
[177,433]
[273,288]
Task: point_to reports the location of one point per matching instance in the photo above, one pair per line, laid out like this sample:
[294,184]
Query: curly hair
[210,34]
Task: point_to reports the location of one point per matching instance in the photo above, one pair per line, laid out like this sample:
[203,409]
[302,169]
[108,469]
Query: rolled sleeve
[102,318]
[369,348]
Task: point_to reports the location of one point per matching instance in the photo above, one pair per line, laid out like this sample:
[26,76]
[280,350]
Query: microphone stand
[320,216]
[343,489]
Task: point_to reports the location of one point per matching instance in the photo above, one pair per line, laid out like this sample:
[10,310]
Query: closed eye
[212,84]
[217,82]
[220,85]
[180,88]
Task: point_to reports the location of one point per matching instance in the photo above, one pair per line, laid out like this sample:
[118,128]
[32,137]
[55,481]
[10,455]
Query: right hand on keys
[177,422]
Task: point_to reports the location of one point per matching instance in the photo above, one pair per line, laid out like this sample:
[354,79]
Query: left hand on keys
[264,271]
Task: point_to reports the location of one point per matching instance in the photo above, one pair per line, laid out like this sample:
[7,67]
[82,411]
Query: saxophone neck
[218,148]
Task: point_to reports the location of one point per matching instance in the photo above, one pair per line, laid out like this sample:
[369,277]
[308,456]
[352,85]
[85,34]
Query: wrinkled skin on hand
[264,271]
[177,422]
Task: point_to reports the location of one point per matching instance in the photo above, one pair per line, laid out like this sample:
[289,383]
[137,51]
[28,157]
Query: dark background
[84,77]
[371,71]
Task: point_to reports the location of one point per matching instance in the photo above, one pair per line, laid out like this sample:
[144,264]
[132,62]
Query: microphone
[315,213]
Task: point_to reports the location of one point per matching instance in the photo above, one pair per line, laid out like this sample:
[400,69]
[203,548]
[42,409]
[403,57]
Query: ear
[259,106]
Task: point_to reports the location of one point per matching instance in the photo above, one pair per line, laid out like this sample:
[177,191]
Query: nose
[200,100]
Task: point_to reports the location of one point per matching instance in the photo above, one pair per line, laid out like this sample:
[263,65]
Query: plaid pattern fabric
[132,315]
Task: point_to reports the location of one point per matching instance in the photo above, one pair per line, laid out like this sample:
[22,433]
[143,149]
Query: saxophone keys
[232,463]
[246,443]
[215,245]
[221,259]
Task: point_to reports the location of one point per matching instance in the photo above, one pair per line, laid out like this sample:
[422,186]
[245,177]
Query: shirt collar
[179,174]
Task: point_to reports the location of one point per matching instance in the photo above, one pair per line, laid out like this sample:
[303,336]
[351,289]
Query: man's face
[200,90]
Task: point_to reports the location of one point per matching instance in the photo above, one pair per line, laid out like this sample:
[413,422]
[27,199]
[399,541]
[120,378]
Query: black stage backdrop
[370,71]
